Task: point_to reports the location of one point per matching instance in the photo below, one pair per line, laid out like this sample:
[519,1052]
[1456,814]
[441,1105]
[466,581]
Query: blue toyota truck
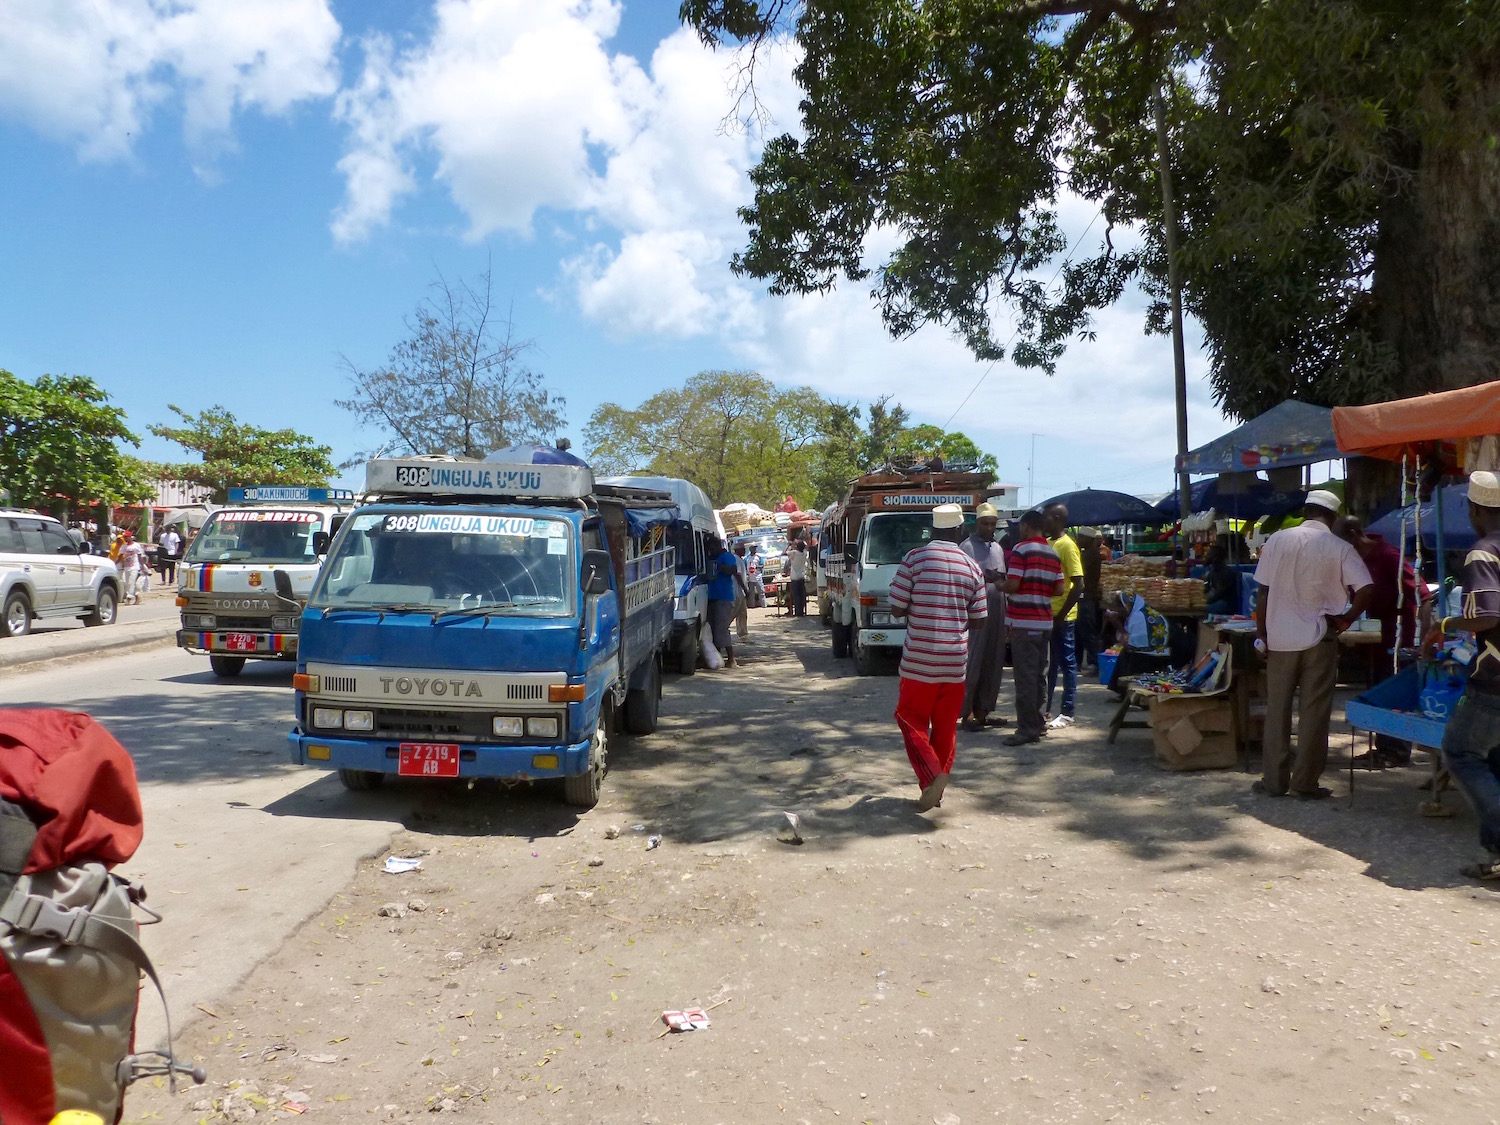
[486,619]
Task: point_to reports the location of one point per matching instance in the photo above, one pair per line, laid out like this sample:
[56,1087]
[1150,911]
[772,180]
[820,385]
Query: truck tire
[360,781]
[840,640]
[226,667]
[106,609]
[15,619]
[687,651]
[583,790]
[643,704]
[864,660]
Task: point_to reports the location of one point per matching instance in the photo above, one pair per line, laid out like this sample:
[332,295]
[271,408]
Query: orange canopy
[1390,430]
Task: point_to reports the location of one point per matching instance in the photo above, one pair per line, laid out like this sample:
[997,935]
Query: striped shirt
[941,590]
[1036,564]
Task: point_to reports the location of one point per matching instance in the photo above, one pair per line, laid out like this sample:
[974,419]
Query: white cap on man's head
[1484,489]
[1319,498]
[947,515]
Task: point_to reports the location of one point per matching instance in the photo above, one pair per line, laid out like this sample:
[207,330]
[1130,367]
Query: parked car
[44,574]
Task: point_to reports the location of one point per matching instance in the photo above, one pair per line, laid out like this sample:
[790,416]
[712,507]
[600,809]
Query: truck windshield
[442,561]
[258,535]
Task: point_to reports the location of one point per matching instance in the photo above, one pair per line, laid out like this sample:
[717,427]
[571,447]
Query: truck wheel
[643,704]
[15,619]
[105,609]
[687,651]
[226,667]
[583,790]
[840,640]
[359,781]
[864,660]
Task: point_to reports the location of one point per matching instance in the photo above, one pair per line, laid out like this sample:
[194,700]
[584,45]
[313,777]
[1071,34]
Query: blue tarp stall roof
[1098,505]
[642,520]
[1292,433]
[1260,499]
[1458,532]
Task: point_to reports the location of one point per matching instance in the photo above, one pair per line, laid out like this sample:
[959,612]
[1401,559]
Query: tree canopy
[1336,170]
[739,437]
[60,445]
[236,454]
[458,384]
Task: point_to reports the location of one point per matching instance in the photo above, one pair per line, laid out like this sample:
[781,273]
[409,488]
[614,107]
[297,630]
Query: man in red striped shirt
[1034,577]
[940,592]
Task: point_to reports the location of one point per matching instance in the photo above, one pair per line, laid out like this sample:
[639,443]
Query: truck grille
[344,684]
[521,692]
[456,726]
[241,624]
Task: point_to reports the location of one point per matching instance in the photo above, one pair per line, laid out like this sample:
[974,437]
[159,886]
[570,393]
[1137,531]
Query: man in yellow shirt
[1064,618]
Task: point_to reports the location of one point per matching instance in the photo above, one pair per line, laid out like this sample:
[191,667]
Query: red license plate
[239,642]
[428,759]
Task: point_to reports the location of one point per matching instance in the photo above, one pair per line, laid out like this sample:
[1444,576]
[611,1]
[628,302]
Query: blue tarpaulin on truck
[642,520]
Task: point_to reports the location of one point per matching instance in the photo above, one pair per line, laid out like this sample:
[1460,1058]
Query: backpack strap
[41,917]
[17,834]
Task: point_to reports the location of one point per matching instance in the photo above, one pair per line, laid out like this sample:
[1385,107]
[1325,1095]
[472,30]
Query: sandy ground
[1074,936]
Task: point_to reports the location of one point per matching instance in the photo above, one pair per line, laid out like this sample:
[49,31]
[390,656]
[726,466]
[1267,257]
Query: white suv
[43,573]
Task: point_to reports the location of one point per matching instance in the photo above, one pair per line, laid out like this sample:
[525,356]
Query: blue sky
[209,201]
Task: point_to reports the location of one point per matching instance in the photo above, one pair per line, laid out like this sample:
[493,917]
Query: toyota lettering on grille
[241,603]
[426,685]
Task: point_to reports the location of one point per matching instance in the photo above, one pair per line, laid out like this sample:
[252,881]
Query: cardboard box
[1194,732]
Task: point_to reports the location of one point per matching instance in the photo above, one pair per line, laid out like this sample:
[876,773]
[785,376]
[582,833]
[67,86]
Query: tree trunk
[1437,255]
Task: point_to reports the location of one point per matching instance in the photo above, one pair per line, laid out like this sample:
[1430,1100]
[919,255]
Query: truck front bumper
[509,761]
[266,644]
[884,637]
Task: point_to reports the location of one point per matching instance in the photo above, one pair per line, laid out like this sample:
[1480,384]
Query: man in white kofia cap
[1471,740]
[1305,575]
[939,590]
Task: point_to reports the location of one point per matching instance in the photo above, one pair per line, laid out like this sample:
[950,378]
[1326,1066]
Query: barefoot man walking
[940,591]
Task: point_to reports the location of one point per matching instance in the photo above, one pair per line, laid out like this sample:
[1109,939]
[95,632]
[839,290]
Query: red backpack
[70,952]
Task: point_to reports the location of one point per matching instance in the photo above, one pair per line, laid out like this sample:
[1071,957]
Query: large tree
[1336,163]
[60,445]
[459,383]
[740,438]
[236,454]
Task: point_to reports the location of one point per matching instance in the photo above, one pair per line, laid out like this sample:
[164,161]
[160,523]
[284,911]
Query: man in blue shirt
[722,587]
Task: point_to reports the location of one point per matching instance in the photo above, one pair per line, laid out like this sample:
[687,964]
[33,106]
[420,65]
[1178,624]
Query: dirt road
[1073,936]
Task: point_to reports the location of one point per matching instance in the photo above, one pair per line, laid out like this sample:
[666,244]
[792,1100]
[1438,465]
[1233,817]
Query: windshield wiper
[474,610]
[379,607]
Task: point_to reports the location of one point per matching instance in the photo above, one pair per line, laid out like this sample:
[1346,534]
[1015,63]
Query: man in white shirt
[1305,575]
[796,560]
[171,547]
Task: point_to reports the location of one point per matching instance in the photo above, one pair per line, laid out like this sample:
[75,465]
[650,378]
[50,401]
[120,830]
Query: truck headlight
[199,621]
[359,720]
[880,619]
[507,726]
[327,717]
[541,728]
[285,624]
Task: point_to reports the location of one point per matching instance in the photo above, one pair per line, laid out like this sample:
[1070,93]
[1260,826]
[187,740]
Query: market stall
[1433,436]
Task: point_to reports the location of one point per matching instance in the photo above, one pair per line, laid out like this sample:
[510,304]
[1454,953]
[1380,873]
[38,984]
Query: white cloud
[522,106]
[92,72]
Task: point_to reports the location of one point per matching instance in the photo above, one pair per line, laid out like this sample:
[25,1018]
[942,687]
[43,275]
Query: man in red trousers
[940,591]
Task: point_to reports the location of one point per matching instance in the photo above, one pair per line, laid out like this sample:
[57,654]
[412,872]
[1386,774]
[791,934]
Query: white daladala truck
[885,515]
[246,576]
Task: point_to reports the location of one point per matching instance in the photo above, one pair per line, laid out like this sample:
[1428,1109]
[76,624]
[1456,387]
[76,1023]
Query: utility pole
[1179,359]
[1031,476]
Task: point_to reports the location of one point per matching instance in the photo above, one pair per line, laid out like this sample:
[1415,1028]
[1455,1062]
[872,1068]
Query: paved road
[240,846]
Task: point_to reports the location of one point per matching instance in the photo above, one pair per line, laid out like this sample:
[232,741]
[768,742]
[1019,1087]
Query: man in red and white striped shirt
[940,592]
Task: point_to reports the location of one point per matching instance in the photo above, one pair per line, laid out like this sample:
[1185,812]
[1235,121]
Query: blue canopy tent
[1291,433]
[1101,506]
[1457,531]
[1261,498]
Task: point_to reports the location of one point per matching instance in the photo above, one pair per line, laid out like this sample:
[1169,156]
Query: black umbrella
[1098,505]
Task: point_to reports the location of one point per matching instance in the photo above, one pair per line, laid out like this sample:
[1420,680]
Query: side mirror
[321,541]
[283,583]
[595,572]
